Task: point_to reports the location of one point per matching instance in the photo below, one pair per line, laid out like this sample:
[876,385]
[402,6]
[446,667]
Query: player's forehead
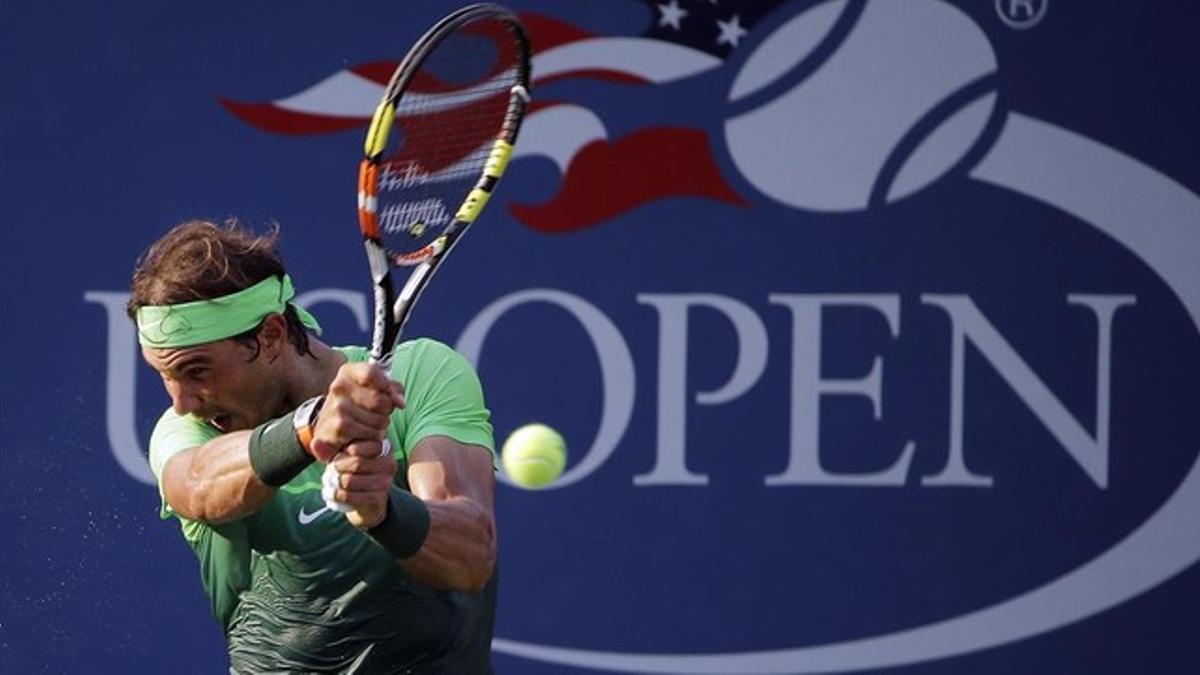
[174,359]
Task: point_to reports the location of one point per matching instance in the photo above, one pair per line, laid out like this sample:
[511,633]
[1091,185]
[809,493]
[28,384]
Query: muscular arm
[457,483]
[214,482]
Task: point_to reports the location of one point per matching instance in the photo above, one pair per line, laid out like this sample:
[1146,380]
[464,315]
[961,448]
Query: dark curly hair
[200,260]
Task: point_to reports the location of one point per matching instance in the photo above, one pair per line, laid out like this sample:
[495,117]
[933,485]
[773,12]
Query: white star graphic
[672,15]
[731,31]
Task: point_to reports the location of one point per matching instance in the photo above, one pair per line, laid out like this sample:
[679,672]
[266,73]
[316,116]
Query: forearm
[215,483]
[443,532]
[459,552]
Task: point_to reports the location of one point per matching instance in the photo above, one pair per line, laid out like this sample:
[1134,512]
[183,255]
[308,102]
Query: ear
[273,338]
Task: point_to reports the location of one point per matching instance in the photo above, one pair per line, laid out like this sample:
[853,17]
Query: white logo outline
[306,518]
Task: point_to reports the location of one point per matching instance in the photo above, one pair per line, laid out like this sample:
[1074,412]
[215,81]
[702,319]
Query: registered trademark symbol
[1022,14]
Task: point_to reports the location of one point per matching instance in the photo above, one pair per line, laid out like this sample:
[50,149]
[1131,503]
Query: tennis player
[405,582]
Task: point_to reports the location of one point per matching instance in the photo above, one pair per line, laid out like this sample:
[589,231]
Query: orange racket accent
[433,250]
[368,222]
[415,258]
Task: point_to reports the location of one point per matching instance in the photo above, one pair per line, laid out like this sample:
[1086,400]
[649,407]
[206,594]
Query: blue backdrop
[872,326]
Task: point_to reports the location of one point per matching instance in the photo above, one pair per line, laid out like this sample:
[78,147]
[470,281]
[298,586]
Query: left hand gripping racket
[438,143]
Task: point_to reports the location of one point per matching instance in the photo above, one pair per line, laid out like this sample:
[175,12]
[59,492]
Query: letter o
[616,368]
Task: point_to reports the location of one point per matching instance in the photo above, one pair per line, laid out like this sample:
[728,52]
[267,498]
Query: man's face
[218,382]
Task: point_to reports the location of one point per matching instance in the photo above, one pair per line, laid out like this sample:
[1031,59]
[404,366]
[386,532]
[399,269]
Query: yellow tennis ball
[534,455]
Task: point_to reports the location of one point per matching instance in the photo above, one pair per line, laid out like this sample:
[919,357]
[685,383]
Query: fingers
[368,376]
[355,490]
[365,457]
[358,480]
[342,422]
[368,449]
[357,406]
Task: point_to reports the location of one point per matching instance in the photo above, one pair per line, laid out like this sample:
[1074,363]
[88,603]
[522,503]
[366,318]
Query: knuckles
[361,375]
[362,386]
[356,412]
[366,465]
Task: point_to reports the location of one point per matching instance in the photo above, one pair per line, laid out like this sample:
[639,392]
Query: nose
[184,399]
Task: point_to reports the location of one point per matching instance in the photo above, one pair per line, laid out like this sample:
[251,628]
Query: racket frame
[391,309]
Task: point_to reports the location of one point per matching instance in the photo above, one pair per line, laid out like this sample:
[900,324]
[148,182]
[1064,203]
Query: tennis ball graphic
[885,111]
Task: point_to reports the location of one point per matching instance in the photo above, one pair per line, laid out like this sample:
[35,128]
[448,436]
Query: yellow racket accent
[381,124]
[497,161]
[473,205]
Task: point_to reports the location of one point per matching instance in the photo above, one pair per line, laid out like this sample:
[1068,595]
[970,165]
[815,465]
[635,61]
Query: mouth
[221,422]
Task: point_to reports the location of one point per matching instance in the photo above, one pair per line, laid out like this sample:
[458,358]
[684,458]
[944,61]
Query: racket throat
[386,330]
[392,311]
[409,294]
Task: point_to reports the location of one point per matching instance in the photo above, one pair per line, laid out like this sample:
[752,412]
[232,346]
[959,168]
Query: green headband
[193,323]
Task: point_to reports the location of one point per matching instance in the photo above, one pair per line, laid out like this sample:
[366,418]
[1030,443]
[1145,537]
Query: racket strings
[443,138]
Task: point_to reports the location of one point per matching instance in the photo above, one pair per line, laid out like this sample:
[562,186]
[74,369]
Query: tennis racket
[438,143]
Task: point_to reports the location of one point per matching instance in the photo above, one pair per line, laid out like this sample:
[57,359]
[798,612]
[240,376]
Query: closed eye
[196,373]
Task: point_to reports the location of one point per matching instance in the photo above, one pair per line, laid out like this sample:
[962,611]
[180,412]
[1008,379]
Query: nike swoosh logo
[306,518]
